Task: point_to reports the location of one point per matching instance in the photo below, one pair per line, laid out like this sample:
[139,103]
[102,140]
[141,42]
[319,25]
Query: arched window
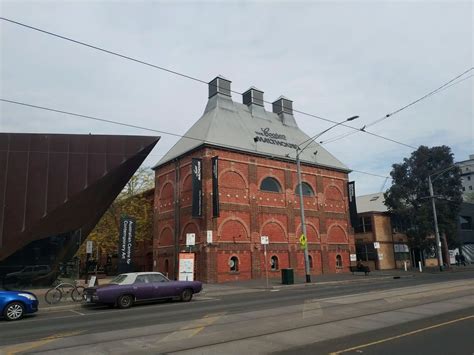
[274,262]
[270,184]
[234,264]
[310,258]
[307,189]
[338,261]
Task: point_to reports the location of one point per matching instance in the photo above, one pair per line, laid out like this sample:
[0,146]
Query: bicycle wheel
[77,294]
[53,296]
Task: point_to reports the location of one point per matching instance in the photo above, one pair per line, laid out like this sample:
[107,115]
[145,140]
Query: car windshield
[118,279]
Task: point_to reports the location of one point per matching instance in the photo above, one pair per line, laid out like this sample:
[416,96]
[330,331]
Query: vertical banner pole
[266,266]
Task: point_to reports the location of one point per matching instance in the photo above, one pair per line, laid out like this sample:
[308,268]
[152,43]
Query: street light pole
[303,223]
[300,190]
[438,239]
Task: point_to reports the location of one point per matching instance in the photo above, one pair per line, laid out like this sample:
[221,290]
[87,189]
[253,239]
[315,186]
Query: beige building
[380,242]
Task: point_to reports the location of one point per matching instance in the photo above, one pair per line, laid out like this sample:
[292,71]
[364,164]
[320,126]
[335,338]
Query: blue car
[15,304]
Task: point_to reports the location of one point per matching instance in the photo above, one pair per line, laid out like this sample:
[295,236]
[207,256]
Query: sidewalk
[236,287]
[259,285]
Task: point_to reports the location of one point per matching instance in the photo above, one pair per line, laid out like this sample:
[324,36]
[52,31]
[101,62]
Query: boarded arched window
[270,184]
[307,189]
[338,261]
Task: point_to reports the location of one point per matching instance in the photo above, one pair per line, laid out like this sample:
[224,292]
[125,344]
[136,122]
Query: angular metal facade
[60,185]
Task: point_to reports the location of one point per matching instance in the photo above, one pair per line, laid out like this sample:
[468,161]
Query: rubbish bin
[287,277]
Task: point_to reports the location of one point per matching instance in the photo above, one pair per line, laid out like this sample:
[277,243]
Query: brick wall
[246,213]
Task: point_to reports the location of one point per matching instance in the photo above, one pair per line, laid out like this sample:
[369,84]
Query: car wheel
[14,311]
[187,295]
[125,301]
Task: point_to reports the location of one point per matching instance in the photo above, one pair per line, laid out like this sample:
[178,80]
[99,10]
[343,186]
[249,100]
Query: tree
[135,200]
[407,197]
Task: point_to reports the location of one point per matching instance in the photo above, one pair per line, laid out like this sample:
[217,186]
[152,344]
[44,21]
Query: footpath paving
[259,285]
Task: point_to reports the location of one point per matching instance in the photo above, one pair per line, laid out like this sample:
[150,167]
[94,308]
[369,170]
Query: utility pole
[303,223]
[300,190]
[438,240]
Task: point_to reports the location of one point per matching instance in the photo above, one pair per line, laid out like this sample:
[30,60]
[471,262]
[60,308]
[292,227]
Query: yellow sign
[303,241]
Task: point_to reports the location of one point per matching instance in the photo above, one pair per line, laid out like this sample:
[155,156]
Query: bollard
[405,264]
[419,265]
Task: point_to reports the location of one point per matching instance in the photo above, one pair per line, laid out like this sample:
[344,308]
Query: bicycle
[61,289]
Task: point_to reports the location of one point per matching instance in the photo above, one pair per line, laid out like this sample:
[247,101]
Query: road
[219,323]
[448,333]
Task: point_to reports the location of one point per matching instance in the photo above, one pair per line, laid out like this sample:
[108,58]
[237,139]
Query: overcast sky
[333,59]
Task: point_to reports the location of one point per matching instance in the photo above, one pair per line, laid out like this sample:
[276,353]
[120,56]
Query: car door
[143,288]
[161,285]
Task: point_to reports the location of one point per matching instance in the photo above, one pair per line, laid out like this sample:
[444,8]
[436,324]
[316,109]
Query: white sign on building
[190,239]
[353,257]
[186,267]
[376,245]
[264,240]
[209,237]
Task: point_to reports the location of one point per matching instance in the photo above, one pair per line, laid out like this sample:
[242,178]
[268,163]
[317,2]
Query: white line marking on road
[73,311]
[274,290]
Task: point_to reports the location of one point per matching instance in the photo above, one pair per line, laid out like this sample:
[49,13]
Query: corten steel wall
[248,213]
[56,183]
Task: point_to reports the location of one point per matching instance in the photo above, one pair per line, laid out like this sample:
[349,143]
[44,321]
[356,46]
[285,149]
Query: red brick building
[257,187]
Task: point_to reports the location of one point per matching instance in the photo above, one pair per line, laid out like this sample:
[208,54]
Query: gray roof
[232,125]
[371,203]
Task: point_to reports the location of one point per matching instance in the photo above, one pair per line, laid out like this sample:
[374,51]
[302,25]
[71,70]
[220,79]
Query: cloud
[334,59]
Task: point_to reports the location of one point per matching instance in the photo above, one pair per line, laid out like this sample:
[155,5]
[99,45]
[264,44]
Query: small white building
[467,175]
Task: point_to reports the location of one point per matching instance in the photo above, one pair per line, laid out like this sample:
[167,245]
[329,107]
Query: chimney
[283,107]
[253,96]
[219,85]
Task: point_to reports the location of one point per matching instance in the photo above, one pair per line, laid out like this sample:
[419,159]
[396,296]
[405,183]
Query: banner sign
[186,267]
[126,244]
[196,167]
[89,246]
[215,186]
[352,203]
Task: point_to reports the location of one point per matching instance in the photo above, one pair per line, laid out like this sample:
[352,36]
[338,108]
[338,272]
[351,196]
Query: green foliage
[406,198]
[135,200]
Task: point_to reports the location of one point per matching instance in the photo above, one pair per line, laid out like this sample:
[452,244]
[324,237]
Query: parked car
[15,304]
[27,275]
[126,289]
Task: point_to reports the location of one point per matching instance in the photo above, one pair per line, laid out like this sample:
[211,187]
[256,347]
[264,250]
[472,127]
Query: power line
[181,74]
[133,126]
[437,90]
[377,175]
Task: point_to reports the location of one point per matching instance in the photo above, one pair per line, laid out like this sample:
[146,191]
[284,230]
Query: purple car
[126,289]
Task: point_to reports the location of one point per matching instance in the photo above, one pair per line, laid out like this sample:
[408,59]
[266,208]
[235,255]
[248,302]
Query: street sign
[89,245]
[92,281]
[376,245]
[190,239]
[264,240]
[303,241]
[209,237]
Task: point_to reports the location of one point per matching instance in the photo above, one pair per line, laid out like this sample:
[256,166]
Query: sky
[334,59]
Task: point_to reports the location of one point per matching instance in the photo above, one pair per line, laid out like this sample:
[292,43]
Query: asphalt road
[99,319]
[448,333]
